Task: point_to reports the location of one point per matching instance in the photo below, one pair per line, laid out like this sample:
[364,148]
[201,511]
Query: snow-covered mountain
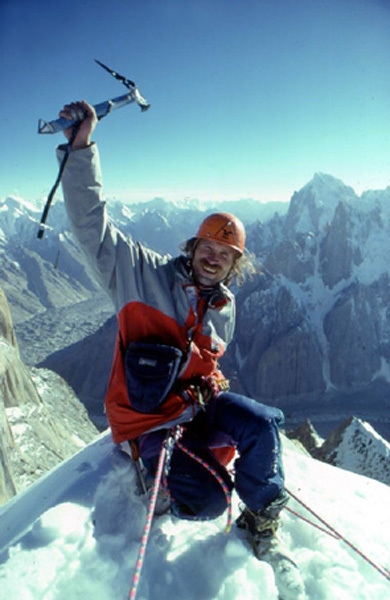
[313,332]
[39,274]
[50,550]
[354,445]
[357,447]
[47,282]
[320,310]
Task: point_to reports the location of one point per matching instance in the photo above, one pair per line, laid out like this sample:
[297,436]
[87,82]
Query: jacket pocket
[151,370]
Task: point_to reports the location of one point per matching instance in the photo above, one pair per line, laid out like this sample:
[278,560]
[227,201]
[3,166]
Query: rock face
[280,357]
[41,420]
[308,437]
[88,379]
[357,447]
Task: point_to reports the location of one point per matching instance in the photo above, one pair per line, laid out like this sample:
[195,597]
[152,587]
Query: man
[176,317]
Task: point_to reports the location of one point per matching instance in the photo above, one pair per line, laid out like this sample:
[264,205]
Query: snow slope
[49,551]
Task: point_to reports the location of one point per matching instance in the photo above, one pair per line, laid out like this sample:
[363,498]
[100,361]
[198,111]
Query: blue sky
[249,97]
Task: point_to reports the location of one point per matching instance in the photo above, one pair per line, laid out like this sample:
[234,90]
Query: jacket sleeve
[117,260]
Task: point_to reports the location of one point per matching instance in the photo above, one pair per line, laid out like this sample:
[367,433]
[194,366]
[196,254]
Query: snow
[51,551]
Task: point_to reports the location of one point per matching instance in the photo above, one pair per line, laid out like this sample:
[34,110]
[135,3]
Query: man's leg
[253,427]
[259,481]
[195,492]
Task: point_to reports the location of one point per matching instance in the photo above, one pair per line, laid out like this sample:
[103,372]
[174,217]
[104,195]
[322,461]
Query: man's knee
[240,415]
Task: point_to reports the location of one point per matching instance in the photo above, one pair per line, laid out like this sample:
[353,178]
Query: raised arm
[118,261]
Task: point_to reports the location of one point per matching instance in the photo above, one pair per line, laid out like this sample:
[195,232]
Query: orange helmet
[224,228]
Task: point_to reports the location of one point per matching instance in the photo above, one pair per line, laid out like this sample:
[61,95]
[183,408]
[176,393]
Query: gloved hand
[202,389]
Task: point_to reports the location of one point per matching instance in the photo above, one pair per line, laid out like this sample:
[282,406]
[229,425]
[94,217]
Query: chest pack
[151,371]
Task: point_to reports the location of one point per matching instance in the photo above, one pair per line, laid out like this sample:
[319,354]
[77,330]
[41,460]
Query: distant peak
[327,186]
[16,202]
[326,179]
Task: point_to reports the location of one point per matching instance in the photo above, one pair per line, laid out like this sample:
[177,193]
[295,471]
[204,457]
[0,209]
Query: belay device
[102,109]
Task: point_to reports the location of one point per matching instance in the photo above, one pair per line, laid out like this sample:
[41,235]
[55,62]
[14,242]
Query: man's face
[212,262]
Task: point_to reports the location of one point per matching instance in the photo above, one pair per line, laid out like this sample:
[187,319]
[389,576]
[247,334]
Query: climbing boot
[262,526]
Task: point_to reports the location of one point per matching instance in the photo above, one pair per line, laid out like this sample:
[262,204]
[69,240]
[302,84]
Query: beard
[207,274]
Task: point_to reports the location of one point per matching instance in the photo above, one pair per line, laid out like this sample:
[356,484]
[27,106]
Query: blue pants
[229,419]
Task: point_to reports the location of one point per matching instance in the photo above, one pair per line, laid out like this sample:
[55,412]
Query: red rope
[311,523]
[148,524]
[332,531]
[218,478]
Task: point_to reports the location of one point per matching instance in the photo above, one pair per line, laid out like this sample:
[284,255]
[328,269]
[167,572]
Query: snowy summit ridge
[48,544]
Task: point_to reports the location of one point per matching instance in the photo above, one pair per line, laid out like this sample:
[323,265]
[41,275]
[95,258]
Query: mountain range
[313,330]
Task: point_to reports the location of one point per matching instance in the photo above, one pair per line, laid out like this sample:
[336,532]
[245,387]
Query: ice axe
[102,109]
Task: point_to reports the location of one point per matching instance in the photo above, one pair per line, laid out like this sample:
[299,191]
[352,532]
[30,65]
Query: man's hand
[85,113]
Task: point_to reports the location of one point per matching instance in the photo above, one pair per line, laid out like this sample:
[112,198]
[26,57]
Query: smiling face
[212,262]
